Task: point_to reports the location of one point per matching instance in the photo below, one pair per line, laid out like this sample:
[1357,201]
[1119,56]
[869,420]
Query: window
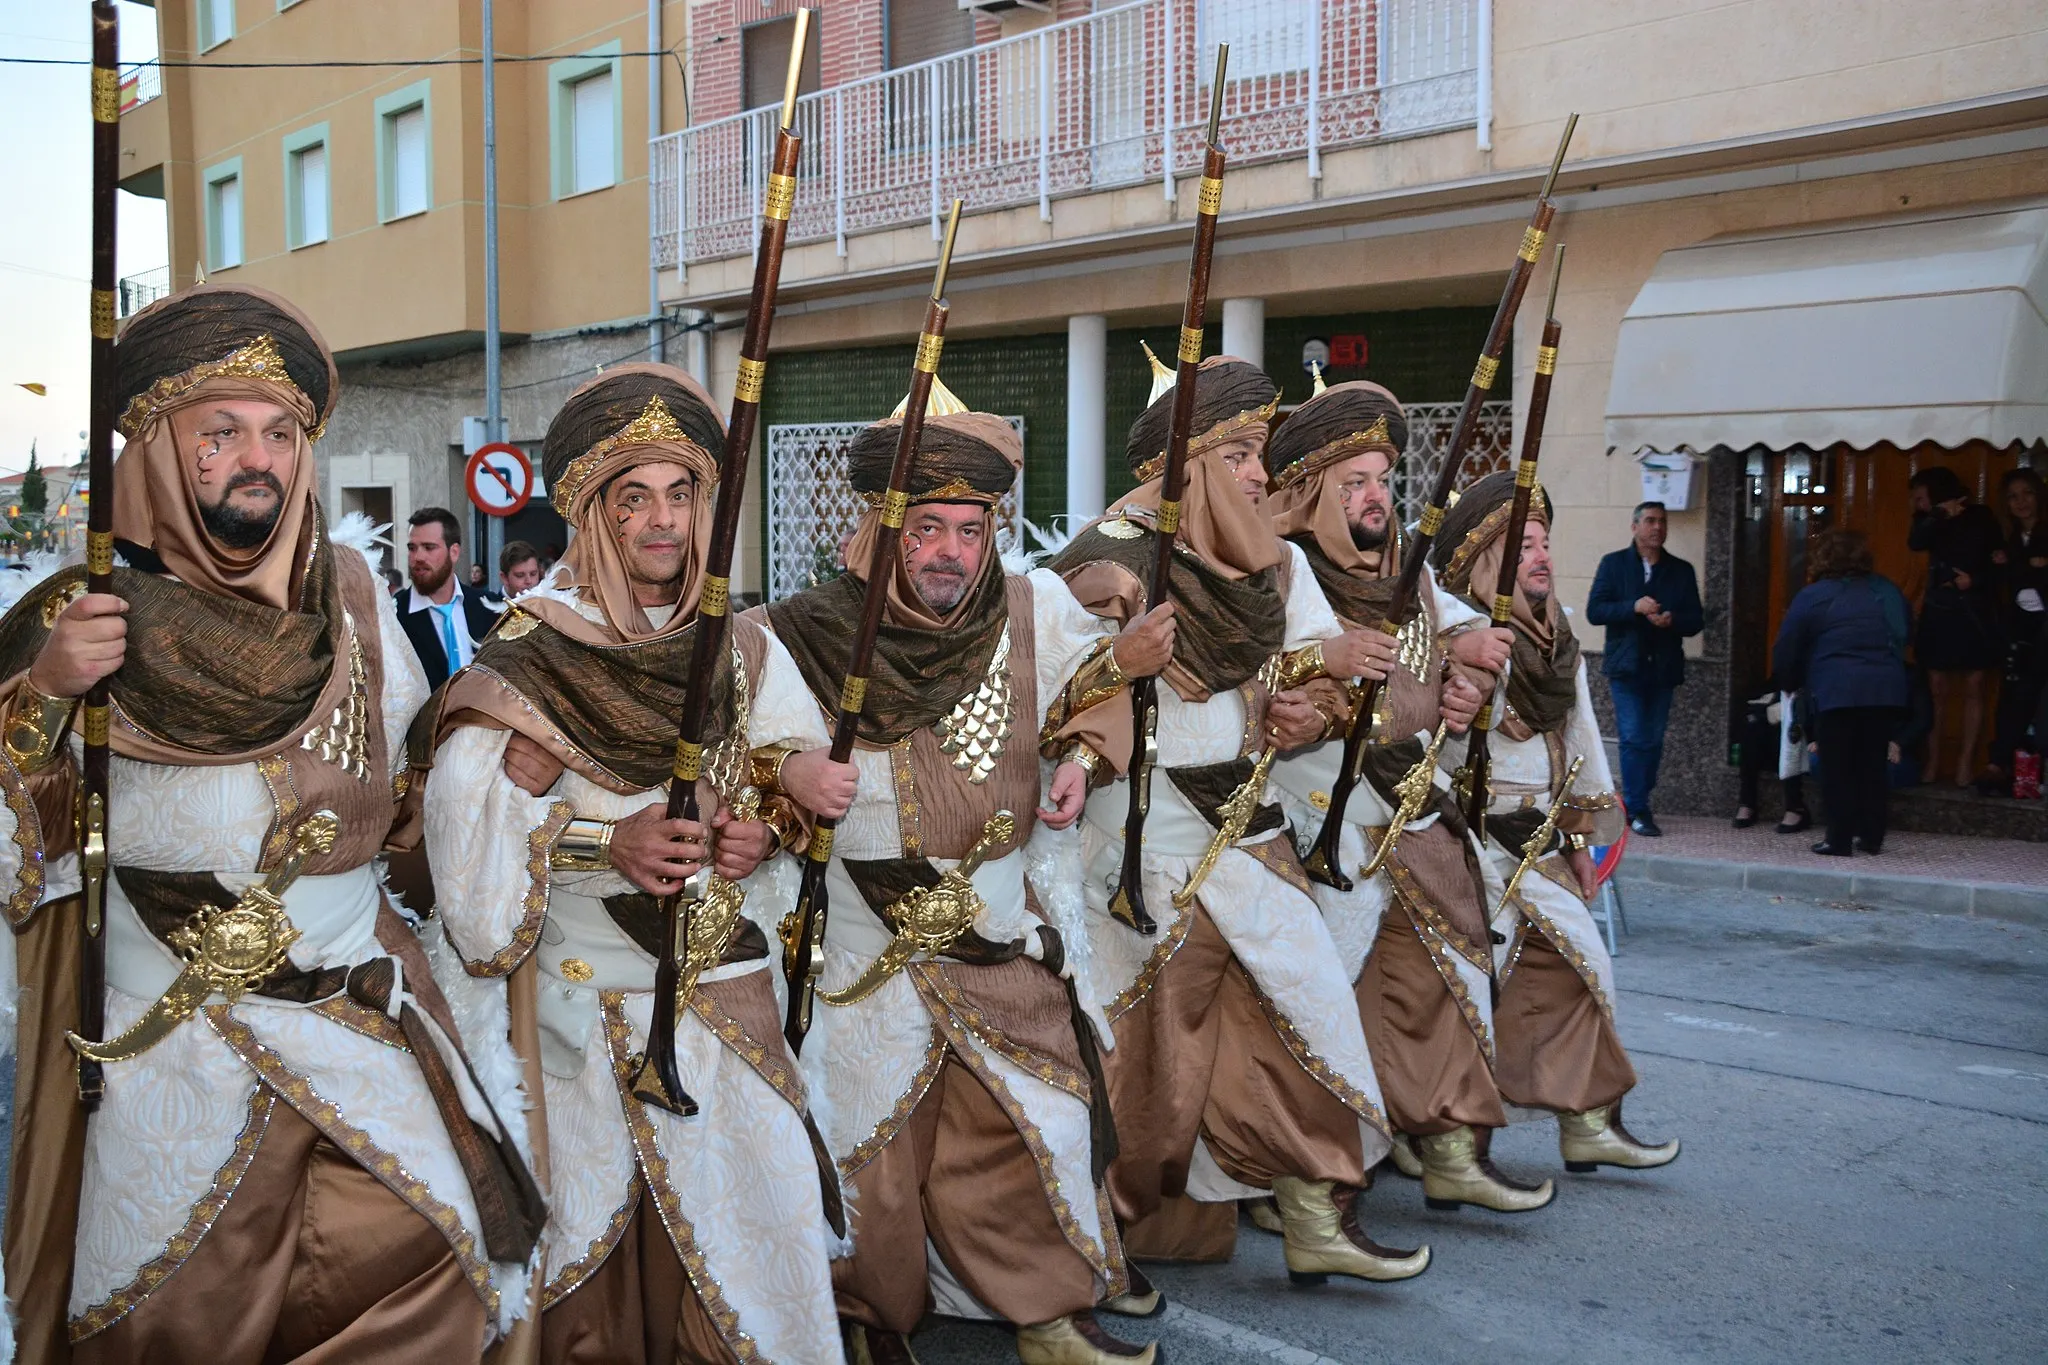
[305,187]
[224,215]
[585,140]
[919,30]
[764,61]
[1261,43]
[405,153]
[216,22]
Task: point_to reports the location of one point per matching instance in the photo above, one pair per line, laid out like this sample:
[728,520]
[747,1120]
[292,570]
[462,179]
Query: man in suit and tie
[1649,600]
[444,620]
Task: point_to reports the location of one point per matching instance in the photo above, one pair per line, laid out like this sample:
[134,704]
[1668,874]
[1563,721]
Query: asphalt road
[1863,1096]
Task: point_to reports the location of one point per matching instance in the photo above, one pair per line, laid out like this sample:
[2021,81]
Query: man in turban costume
[966,1104]
[1556,1050]
[1414,936]
[290,1125]
[696,1239]
[1239,1065]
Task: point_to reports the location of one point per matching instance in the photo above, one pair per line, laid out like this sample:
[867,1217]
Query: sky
[46,228]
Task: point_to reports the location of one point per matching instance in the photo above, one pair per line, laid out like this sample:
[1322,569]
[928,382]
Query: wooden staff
[803,931]
[99,537]
[1503,607]
[658,1082]
[1127,902]
[1322,861]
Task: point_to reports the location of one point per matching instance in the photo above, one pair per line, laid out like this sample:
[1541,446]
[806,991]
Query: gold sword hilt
[1413,789]
[1540,840]
[1237,811]
[931,919]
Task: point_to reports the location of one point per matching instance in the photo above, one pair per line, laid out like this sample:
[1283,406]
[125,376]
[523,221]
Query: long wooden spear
[803,931]
[99,536]
[1127,902]
[1322,861]
[1502,609]
[658,1082]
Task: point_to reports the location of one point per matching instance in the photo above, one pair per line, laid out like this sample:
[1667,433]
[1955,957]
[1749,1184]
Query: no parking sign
[499,479]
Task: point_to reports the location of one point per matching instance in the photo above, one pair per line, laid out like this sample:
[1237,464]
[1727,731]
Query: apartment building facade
[1806,238]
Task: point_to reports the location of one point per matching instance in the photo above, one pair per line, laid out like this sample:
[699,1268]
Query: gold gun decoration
[1413,789]
[1540,840]
[227,951]
[931,919]
[1237,813]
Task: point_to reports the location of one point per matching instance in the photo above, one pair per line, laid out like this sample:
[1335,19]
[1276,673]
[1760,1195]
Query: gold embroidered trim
[907,810]
[28,837]
[1152,468]
[975,730]
[1077,1237]
[259,359]
[276,772]
[654,1170]
[1169,944]
[906,1105]
[1374,437]
[971,1018]
[1558,870]
[655,425]
[299,1093]
[205,1213]
[1435,936]
[540,840]
[572,1276]
[1325,1075]
[372,1024]
[770,1063]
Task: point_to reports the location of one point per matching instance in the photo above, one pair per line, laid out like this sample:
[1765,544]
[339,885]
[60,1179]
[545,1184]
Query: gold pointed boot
[1596,1138]
[1265,1215]
[873,1346]
[1455,1172]
[1404,1158]
[1077,1339]
[1141,1300]
[1324,1239]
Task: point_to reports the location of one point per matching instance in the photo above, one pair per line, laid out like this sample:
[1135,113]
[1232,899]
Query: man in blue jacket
[1649,601]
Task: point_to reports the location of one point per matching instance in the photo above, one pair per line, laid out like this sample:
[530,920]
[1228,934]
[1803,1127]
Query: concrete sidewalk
[1941,873]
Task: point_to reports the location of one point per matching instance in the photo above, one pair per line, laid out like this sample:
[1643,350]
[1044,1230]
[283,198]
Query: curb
[2015,901]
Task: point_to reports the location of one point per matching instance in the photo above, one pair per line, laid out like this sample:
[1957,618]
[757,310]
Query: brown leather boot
[1596,1138]
[1077,1339]
[1455,1171]
[1324,1239]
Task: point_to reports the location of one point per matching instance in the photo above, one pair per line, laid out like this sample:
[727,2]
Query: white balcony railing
[140,84]
[137,292]
[1112,99]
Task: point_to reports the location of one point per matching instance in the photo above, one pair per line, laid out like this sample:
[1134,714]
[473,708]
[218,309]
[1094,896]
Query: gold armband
[1333,721]
[779,814]
[1098,679]
[36,727]
[1577,842]
[1092,763]
[765,768]
[584,846]
[1301,665]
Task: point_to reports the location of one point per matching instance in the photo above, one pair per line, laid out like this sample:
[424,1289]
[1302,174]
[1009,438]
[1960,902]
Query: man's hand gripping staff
[657,1081]
[803,929]
[1322,862]
[1127,902]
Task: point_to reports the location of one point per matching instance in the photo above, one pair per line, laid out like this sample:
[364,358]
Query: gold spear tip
[946,252]
[798,41]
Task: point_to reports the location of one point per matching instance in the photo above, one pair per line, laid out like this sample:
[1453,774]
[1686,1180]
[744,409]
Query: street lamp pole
[494,393]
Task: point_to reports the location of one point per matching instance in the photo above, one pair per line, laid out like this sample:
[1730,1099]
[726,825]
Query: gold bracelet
[779,814]
[36,727]
[1577,842]
[583,846]
[764,768]
[1091,762]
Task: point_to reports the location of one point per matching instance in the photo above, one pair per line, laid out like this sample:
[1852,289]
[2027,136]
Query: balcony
[136,292]
[1107,101]
[140,83]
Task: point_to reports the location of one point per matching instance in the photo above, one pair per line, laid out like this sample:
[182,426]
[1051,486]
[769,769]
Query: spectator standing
[1649,600]
[1762,750]
[1844,641]
[445,620]
[518,568]
[2023,594]
[1959,641]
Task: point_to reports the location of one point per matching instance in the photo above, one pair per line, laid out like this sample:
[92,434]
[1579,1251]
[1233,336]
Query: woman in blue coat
[1844,642]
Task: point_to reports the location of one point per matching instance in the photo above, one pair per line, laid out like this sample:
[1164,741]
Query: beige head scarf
[1345,420]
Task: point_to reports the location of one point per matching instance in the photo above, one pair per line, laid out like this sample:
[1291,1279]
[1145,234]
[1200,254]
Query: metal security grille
[1429,438]
[812,509]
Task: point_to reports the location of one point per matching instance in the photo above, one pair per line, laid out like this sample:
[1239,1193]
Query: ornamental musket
[803,929]
[96,714]
[1127,900]
[656,1081]
[1477,776]
[1322,861]
[1540,840]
